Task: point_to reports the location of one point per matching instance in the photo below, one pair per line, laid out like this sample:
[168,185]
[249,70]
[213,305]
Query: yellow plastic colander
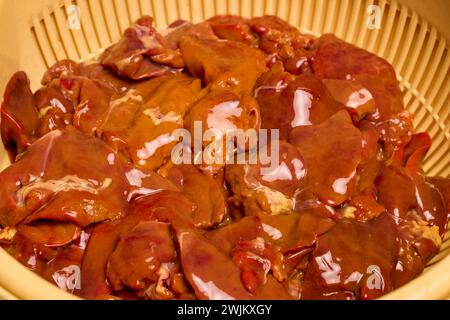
[413,35]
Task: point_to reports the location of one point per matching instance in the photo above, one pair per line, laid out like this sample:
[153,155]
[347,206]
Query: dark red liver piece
[287,103]
[331,151]
[132,56]
[64,176]
[353,260]
[336,59]
[19,116]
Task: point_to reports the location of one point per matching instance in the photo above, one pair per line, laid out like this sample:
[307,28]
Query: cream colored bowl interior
[414,37]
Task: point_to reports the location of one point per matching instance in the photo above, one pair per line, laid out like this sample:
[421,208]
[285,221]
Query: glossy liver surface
[93,203]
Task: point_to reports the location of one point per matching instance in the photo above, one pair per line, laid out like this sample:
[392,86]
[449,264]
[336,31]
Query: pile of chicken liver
[348,213]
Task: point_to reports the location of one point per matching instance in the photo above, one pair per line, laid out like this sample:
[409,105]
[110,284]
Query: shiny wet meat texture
[123,173]
[336,59]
